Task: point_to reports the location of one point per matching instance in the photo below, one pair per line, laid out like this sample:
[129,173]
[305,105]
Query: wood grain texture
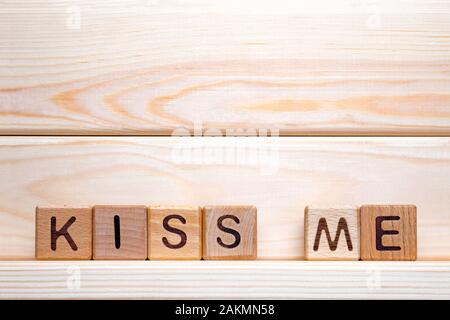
[332,233]
[230,232]
[177,238]
[392,238]
[121,239]
[224,280]
[279,176]
[71,237]
[364,67]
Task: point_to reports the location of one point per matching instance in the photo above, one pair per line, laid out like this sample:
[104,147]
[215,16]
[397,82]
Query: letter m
[342,226]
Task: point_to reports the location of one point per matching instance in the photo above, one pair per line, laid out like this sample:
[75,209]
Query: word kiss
[138,233]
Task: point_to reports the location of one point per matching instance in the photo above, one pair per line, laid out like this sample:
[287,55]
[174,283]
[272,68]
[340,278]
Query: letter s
[179,232]
[236,234]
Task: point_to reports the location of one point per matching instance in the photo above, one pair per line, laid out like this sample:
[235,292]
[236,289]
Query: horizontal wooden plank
[280,176]
[361,67]
[224,280]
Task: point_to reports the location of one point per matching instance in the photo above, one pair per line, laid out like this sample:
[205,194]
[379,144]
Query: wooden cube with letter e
[229,233]
[63,233]
[389,232]
[332,233]
[175,233]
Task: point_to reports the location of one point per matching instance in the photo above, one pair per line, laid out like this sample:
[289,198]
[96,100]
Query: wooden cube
[332,233]
[175,233]
[229,233]
[120,232]
[388,232]
[63,233]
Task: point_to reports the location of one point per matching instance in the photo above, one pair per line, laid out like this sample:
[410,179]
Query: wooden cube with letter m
[63,233]
[332,233]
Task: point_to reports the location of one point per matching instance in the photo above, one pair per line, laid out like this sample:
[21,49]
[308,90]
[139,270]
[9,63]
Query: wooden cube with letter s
[229,233]
[175,233]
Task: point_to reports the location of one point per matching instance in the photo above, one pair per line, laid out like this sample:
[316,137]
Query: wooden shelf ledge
[224,280]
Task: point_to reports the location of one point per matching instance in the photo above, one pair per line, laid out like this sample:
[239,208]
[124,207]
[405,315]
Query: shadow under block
[63,233]
[389,232]
[175,233]
[120,233]
[229,233]
[332,233]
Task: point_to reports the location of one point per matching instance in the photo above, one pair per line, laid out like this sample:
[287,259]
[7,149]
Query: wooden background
[365,67]
[113,70]
[280,176]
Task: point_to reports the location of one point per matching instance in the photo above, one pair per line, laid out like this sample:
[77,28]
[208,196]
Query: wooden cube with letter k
[332,233]
[63,233]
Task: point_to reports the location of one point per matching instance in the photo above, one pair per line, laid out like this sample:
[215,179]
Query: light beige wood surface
[175,233]
[394,239]
[230,232]
[224,280]
[148,67]
[332,233]
[279,176]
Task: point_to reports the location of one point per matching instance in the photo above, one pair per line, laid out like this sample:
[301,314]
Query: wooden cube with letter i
[63,233]
[229,233]
[175,233]
[120,233]
[332,233]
